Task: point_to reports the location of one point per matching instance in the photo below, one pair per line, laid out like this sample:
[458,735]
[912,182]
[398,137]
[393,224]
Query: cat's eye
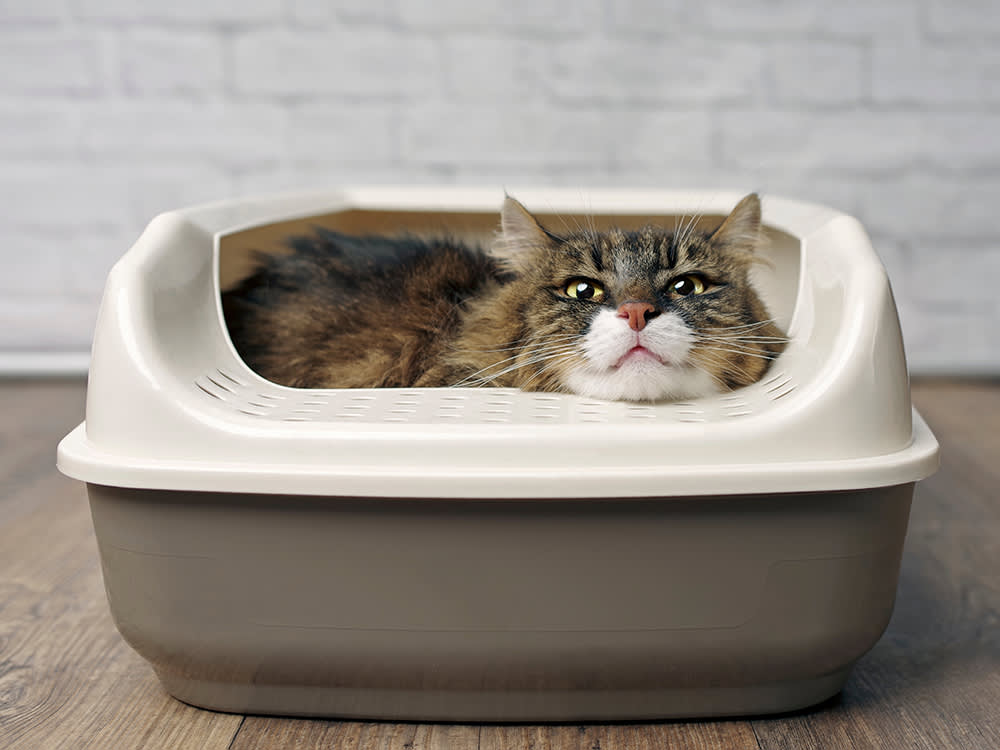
[584,289]
[689,283]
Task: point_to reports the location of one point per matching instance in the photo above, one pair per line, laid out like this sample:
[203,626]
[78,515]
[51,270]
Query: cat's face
[639,316]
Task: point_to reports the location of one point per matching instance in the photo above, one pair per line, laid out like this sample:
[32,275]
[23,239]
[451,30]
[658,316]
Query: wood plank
[260,733]
[966,418]
[265,733]
[34,417]
[734,735]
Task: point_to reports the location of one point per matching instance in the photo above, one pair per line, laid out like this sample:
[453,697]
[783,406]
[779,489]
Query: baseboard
[44,364]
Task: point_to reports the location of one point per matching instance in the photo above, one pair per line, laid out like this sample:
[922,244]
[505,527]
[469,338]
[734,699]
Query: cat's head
[640,315]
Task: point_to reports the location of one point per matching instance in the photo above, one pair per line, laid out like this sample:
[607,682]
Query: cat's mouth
[637,354]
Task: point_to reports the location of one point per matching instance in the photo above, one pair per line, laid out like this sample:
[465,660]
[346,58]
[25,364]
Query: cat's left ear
[520,233]
[741,229]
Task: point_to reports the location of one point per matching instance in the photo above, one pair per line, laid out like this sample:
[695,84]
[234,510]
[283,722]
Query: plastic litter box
[491,554]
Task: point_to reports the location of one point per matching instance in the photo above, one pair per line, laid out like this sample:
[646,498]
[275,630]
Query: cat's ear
[741,229]
[520,233]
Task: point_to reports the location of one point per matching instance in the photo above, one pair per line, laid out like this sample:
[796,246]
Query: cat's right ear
[520,234]
[741,229]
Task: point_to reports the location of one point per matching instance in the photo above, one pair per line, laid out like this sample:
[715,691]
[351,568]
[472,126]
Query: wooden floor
[67,680]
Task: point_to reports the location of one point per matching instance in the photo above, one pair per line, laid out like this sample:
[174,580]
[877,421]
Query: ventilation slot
[688,413]
[779,386]
[735,406]
[592,411]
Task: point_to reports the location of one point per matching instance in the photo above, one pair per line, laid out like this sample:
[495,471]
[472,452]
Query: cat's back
[354,311]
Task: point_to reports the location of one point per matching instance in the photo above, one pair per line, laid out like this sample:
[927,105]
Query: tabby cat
[641,315]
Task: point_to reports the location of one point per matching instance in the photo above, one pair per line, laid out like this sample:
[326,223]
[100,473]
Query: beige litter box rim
[154,422]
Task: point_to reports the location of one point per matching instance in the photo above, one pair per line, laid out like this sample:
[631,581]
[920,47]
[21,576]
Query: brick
[38,129]
[860,141]
[939,206]
[552,18]
[199,12]
[34,11]
[498,69]
[963,18]
[761,15]
[45,63]
[323,12]
[165,188]
[817,73]
[44,197]
[514,177]
[71,264]
[952,342]
[935,74]
[369,63]
[954,276]
[302,176]
[660,140]
[329,134]
[120,198]
[35,264]
[516,137]
[895,257]
[163,62]
[235,135]
[52,323]
[946,294]
[645,17]
[854,18]
[681,70]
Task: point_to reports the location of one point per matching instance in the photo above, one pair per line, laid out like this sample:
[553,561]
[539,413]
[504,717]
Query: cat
[646,315]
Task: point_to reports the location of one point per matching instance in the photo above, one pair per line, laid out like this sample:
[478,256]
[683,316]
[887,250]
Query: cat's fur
[350,312]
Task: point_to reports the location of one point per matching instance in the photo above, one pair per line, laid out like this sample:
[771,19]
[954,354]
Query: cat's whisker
[541,371]
[751,344]
[719,381]
[566,225]
[747,353]
[534,359]
[729,366]
[591,223]
[738,352]
[687,230]
[534,351]
[744,340]
[744,326]
[743,353]
[484,375]
[517,344]
[489,379]
[747,337]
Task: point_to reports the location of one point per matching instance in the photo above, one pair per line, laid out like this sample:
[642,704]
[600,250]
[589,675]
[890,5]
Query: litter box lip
[80,459]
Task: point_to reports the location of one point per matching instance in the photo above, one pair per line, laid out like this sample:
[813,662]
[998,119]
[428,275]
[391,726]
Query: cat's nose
[638,314]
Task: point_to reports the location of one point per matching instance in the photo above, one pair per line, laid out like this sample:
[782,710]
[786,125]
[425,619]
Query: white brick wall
[113,110]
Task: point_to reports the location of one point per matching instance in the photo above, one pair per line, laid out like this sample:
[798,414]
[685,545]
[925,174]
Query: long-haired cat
[635,315]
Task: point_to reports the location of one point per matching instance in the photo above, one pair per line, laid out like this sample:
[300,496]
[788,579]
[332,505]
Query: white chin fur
[640,378]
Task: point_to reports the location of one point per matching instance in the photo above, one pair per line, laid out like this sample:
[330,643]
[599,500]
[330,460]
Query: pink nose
[638,314]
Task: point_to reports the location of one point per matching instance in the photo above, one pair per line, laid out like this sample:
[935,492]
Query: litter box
[490,554]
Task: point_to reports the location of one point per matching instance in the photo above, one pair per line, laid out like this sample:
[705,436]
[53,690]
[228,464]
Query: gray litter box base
[501,610]
[506,705]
